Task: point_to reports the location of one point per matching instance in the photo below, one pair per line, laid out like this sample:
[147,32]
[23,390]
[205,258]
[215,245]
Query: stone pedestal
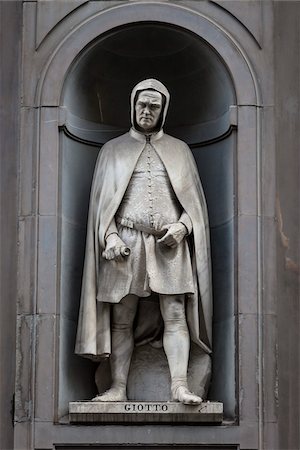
[150,412]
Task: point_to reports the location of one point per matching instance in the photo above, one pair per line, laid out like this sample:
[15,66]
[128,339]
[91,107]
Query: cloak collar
[141,137]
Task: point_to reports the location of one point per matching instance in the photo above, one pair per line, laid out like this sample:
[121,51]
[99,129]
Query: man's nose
[146,109]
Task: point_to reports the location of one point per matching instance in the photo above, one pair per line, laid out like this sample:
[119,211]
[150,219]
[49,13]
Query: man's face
[147,109]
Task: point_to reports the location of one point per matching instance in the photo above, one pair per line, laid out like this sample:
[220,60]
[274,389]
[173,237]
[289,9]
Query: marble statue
[147,233]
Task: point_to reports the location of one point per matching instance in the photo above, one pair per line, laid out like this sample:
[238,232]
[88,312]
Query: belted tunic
[149,197]
[150,201]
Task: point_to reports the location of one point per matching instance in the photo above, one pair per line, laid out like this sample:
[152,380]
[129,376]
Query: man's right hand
[115,248]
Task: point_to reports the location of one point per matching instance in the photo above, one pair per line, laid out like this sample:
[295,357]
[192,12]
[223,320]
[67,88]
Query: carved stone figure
[147,232]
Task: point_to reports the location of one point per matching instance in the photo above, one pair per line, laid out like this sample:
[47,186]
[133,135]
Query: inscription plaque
[145,412]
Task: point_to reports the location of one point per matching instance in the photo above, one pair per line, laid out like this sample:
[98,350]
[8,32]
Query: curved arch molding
[249,15]
[52,78]
[48,17]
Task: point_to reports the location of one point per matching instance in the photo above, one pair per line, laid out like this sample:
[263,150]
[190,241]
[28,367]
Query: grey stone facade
[51,129]
[10,50]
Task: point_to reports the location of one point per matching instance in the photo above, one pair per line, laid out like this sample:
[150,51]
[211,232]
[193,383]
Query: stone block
[49,162]
[153,412]
[248,264]
[271,373]
[45,367]
[270,239]
[47,267]
[24,366]
[26,265]
[28,160]
[268,163]
[23,436]
[247,160]
[30,68]
[249,374]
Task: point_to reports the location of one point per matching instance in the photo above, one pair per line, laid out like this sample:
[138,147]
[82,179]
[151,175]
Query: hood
[154,85]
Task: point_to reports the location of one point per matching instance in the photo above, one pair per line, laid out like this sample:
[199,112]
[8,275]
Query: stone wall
[286,288]
[10,51]
[267,289]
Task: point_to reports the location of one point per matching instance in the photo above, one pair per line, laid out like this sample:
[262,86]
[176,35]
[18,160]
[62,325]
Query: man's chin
[146,128]
[146,123]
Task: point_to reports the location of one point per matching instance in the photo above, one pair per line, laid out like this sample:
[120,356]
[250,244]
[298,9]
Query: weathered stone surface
[28,160]
[47,271]
[248,267]
[49,162]
[144,412]
[248,149]
[255,174]
[48,17]
[45,368]
[249,376]
[249,13]
[287,116]
[10,24]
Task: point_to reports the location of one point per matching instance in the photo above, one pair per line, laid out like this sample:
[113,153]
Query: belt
[139,227]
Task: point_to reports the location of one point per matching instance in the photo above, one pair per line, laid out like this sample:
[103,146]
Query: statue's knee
[121,326]
[173,308]
[122,320]
[123,317]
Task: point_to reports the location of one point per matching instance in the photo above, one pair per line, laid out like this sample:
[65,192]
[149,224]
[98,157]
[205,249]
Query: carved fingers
[115,248]
[174,235]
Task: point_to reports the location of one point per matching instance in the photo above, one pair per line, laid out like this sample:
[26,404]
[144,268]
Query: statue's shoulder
[176,145]
[117,142]
[175,141]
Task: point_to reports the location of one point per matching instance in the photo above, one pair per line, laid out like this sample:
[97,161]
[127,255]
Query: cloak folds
[114,168]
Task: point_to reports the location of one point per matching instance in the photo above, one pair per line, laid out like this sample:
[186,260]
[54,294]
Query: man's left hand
[174,235]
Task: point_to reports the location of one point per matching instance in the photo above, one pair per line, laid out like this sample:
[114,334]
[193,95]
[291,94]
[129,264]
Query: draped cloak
[114,168]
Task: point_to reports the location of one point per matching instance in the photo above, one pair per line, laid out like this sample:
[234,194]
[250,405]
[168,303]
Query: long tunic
[115,166]
[151,267]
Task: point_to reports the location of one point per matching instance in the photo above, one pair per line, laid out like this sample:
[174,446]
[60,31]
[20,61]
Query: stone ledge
[112,412]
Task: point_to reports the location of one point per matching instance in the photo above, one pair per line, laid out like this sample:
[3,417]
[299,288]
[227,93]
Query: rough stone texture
[10,23]
[48,93]
[267,300]
[48,17]
[287,117]
[249,13]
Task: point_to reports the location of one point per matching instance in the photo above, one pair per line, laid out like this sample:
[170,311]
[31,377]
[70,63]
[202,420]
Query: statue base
[154,412]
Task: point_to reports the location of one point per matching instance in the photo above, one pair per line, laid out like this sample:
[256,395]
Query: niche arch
[96,100]
[50,93]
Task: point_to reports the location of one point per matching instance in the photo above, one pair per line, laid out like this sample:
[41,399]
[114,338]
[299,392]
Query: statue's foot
[183,395]
[114,394]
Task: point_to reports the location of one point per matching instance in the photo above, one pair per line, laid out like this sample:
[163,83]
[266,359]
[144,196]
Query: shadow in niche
[96,97]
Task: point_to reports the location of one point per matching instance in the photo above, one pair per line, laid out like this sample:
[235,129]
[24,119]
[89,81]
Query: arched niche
[96,108]
[97,92]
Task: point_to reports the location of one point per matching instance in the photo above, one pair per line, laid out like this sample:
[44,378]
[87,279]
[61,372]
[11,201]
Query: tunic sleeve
[185,219]
[111,229]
